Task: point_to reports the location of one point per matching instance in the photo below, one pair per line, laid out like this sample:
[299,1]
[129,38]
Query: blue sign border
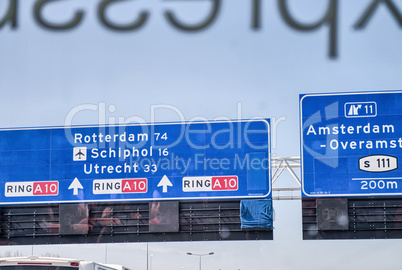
[183,149]
[342,97]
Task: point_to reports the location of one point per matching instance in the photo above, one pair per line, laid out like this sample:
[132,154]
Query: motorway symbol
[360,109]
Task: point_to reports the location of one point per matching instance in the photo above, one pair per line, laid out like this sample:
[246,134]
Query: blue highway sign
[165,161]
[351,144]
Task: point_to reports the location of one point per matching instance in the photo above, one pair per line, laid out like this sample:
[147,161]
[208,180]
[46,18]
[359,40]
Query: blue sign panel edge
[269,191]
[301,98]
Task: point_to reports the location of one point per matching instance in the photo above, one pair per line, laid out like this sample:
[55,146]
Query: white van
[50,263]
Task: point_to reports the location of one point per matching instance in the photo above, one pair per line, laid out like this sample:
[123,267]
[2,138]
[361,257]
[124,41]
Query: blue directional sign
[169,161]
[351,144]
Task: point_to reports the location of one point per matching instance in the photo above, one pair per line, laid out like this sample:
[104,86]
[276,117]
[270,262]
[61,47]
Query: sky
[91,74]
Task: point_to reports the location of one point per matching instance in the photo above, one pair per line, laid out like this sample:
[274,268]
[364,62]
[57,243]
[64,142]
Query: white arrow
[75,185]
[165,182]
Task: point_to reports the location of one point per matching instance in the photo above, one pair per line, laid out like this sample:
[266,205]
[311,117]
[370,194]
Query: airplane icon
[79,153]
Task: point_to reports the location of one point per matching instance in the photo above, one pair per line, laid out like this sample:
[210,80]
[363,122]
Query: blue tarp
[256,214]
